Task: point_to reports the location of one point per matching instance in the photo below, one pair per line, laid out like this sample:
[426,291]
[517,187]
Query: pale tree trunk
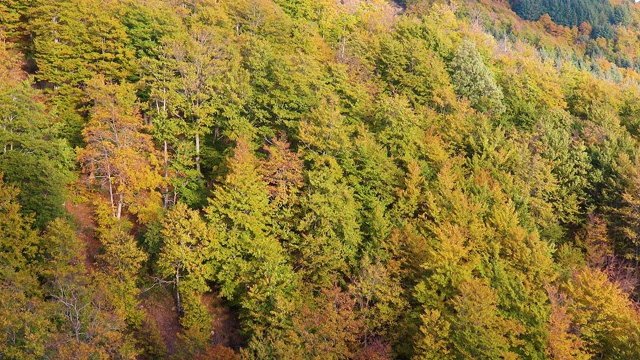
[177,284]
[166,175]
[120,201]
[113,205]
[198,154]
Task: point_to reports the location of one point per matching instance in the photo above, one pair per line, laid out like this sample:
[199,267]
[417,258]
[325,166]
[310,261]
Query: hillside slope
[275,179]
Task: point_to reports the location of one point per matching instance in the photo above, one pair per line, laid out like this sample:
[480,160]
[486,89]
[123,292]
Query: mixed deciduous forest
[319,179]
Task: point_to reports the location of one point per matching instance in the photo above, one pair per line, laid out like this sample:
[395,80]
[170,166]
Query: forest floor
[225,322]
[161,309]
[82,213]
[158,303]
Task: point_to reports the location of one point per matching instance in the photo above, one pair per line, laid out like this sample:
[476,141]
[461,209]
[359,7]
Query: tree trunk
[177,284]
[198,154]
[111,193]
[166,176]
[119,207]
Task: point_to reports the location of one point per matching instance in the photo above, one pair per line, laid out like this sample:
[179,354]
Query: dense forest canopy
[319,179]
[599,13]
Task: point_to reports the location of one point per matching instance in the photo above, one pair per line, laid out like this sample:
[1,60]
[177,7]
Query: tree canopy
[271,179]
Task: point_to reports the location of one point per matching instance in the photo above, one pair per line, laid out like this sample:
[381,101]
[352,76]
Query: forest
[319,179]
[600,13]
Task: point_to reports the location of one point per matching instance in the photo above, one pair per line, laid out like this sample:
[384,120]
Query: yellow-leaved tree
[119,155]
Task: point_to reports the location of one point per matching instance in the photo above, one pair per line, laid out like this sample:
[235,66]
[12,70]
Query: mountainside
[319,179]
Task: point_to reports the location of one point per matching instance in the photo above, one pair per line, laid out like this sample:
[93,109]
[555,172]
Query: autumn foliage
[271,179]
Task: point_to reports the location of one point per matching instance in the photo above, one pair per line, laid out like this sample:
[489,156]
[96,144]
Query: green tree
[120,262]
[10,12]
[76,40]
[33,156]
[88,321]
[185,260]
[283,173]
[626,219]
[474,81]
[249,262]
[411,68]
[331,236]
[480,331]
[196,58]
